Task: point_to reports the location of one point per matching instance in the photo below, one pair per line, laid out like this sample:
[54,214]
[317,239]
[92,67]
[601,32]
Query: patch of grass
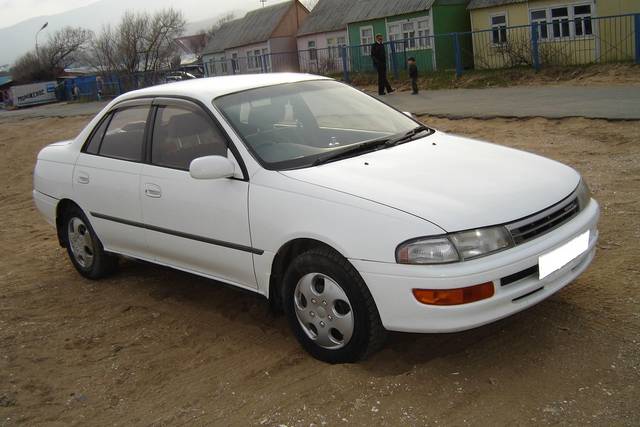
[478,79]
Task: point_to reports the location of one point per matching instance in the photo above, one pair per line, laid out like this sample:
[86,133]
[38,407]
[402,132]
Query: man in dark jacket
[413,74]
[379,57]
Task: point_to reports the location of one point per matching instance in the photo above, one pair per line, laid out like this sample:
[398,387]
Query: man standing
[379,57]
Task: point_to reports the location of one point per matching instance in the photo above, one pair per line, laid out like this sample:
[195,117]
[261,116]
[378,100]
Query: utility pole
[263,2]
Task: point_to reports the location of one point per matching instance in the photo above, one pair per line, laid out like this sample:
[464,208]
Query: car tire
[330,309]
[84,248]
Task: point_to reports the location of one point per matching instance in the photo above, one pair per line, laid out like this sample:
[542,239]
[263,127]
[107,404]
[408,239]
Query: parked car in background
[346,213]
[179,76]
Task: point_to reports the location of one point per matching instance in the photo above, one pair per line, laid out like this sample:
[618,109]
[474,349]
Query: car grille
[536,225]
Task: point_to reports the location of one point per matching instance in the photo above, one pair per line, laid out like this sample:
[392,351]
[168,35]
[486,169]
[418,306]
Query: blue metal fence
[579,41]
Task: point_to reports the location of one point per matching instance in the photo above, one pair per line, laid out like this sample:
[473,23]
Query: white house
[321,36]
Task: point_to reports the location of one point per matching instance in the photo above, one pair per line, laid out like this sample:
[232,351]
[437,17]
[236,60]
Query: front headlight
[462,246]
[583,194]
[434,250]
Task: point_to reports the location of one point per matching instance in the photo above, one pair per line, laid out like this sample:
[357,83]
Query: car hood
[453,182]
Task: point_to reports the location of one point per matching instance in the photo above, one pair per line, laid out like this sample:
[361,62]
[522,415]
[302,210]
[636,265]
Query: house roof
[255,27]
[364,10]
[328,15]
[480,4]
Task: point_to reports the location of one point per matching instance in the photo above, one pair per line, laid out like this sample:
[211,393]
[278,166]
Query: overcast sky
[14,11]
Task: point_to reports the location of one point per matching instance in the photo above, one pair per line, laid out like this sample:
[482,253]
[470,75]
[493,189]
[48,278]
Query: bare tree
[63,48]
[139,43]
[223,19]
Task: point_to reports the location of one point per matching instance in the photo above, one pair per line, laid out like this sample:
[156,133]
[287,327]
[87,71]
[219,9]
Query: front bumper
[391,285]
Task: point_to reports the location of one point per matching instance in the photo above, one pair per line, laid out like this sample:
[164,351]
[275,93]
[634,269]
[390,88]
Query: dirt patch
[156,346]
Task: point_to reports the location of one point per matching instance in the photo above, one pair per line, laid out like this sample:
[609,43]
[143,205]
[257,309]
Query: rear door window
[124,138]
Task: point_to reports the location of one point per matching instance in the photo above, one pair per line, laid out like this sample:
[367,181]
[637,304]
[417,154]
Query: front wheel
[330,309]
[84,248]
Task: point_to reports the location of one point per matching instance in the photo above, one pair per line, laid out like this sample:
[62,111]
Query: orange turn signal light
[454,296]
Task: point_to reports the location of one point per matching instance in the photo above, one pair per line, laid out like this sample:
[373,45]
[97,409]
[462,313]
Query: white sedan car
[346,213]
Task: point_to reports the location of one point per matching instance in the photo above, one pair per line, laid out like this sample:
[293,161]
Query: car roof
[210,88]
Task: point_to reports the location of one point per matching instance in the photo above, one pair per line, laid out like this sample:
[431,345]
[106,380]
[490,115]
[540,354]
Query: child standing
[413,74]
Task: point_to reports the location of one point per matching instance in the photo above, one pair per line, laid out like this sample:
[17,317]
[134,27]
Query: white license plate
[558,258]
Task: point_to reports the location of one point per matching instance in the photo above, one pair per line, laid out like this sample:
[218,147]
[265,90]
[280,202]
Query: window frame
[366,47]
[421,39]
[571,6]
[187,107]
[499,27]
[153,102]
[249,148]
[313,51]
[133,103]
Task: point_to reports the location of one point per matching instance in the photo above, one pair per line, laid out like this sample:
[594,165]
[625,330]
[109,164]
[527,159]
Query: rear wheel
[84,248]
[330,309]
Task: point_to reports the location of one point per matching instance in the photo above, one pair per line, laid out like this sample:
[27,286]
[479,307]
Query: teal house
[410,25]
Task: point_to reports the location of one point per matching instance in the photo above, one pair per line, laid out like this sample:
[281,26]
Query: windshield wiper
[406,137]
[350,150]
[376,144]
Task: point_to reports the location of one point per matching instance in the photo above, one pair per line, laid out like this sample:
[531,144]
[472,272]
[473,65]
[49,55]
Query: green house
[423,29]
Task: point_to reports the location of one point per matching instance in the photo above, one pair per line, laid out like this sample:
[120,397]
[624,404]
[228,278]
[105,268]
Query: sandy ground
[152,346]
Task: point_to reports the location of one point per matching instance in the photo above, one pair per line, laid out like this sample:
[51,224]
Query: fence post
[535,46]
[263,64]
[637,34]
[394,61]
[456,44]
[345,64]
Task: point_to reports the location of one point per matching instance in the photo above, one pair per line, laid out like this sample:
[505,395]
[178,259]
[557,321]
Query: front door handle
[152,190]
[83,178]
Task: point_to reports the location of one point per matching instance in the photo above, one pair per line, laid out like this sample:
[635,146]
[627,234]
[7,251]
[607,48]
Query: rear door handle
[152,190]
[83,178]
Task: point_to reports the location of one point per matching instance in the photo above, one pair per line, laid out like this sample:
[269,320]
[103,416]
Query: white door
[201,226]
[106,179]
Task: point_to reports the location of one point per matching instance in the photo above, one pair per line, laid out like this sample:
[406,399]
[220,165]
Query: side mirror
[211,167]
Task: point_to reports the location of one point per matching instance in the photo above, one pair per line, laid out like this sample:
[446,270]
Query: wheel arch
[61,208]
[285,255]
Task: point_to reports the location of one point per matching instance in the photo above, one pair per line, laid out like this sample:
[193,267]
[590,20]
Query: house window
[394,32]
[253,60]
[415,33]
[332,46]
[223,64]
[234,62]
[267,59]
[313,53]
[563,22]
[582,20]
[409,34]
[540,17]
[560,22]
[366,39]
[424,34]
[499,29]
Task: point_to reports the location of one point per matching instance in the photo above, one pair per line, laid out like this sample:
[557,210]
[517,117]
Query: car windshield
[294,125]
